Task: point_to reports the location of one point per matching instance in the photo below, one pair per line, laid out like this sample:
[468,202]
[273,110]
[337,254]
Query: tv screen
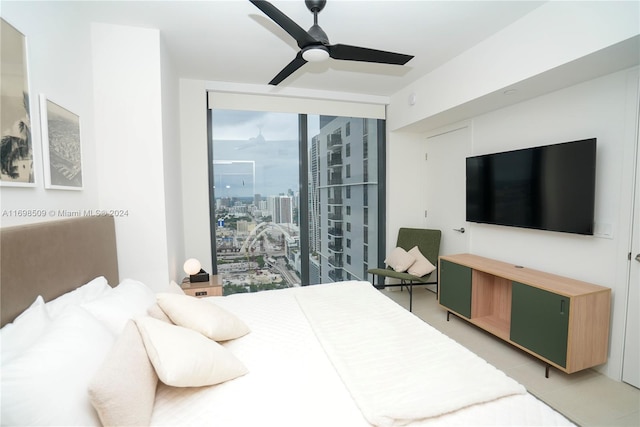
[548,188]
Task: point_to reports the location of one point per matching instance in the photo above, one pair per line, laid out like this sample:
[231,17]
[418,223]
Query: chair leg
[373,282]
[410,289]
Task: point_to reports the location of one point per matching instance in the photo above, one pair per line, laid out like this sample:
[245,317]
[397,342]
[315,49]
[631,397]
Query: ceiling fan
[314,44]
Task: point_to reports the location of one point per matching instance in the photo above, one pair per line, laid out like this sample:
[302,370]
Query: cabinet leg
[546,371]
[448,313]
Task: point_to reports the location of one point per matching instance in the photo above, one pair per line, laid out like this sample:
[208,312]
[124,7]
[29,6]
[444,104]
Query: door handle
[461,230]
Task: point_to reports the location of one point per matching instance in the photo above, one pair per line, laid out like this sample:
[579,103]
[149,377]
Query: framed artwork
[16,147]
[61,146]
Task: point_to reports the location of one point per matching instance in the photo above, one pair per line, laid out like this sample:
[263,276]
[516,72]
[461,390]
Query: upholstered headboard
[51,258]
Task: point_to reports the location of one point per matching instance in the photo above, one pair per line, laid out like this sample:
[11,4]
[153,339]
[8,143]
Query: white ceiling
[233,41]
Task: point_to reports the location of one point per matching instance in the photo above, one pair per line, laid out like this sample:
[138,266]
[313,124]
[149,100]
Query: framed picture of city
[16,149]
[61,146]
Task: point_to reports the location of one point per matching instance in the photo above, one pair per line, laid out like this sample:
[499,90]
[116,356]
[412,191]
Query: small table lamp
[194,269]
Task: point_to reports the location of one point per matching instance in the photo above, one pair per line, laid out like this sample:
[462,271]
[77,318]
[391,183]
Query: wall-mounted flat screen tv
[548,188]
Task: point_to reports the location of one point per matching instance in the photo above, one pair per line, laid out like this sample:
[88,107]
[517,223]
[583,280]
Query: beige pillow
[422,266]
[399,259]
[123,390]
[184,358]
[203,316]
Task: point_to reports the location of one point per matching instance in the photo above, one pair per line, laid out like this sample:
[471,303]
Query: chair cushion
[422,266]
[427,240]
[399,259]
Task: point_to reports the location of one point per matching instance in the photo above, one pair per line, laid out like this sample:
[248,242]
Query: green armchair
[428,241]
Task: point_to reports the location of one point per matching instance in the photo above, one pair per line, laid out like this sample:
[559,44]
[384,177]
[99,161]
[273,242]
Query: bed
[99,349]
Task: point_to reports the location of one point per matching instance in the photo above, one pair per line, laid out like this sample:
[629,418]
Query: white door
[631,356]
[445,187]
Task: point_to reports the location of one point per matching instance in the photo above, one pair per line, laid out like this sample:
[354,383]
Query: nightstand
[212,288]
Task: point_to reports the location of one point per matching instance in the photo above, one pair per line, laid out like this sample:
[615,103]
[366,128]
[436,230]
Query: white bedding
[398,369]
[292,382]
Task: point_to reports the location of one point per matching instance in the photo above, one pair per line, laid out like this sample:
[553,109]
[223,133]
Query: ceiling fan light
[315,54]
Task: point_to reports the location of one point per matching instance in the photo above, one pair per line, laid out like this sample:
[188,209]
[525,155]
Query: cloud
[268,139]
[244,125]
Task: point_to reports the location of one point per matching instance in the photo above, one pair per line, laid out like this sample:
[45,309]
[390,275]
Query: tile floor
[587,398]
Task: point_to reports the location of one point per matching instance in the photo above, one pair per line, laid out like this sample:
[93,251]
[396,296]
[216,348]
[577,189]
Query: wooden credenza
[562,321]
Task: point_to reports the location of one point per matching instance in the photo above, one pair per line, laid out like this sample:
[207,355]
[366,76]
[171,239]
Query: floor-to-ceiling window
[268,233]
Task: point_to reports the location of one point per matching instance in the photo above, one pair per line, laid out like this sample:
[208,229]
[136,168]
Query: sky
[268,139]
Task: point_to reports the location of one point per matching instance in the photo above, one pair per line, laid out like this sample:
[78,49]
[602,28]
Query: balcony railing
[334,142]
[334,161]
[335,247]
[335,275]
[335,231]
[336,261]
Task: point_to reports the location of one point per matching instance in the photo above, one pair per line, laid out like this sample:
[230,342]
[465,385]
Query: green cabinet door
[540,322]
[455,287]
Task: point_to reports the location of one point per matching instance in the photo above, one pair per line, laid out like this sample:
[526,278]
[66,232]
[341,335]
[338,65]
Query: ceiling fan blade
[297,32]
[355,53]
[297,62]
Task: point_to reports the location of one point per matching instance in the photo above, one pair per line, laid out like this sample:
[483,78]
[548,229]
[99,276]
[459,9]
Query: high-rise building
[347,199]
[314,196]
[281,209]
[286,210]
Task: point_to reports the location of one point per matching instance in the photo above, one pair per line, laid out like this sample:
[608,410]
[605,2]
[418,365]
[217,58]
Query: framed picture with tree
[16,147]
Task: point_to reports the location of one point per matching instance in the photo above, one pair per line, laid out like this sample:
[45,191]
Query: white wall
[195,171]
[172,166]
[59,67]
[128,115]
[405,206]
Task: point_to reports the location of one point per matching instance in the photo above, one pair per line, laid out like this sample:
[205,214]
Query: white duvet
[292,382]
[399,369]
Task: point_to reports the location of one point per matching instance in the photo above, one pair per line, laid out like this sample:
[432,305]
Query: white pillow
[156,312]
[422,266]
[399,259]
[25,331]
[203,316]
[136,291]
[88,292]
[129,299]
[184,358]
[47,384]
[123,390]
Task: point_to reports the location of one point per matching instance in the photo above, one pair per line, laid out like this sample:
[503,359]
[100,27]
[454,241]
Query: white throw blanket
[398,368]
